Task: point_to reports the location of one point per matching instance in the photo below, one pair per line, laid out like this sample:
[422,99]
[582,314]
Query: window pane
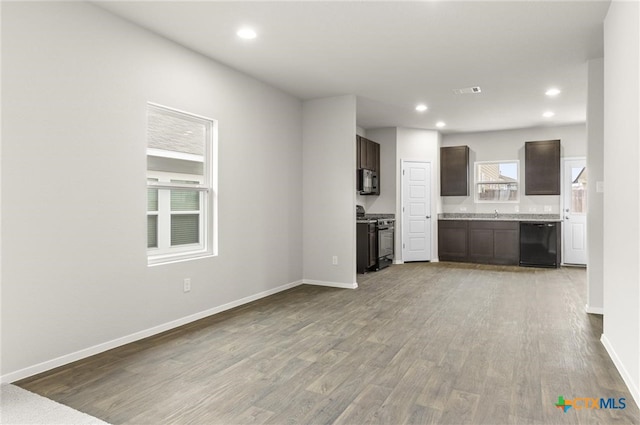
[152,199]
[152,231]
[498,172]
[497,192]
[185,200]
[176,141]
[185,229]
[579,190]
[172,131]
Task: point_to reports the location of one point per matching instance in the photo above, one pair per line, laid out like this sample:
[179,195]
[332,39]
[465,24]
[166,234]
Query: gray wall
[329,160]
[75,279]
[595,165]
[509,145]
[621,194]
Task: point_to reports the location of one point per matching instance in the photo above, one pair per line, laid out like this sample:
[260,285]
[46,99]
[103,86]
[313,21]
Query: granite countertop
[377,216]
[500,217]
[368,218]
[365,220]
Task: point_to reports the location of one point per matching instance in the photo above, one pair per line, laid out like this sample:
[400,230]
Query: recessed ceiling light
[440,124]
[552,92]
[246,33]
[421,108]
[548,114]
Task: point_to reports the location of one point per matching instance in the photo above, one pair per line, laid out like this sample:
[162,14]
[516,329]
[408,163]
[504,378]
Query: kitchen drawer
[490,224]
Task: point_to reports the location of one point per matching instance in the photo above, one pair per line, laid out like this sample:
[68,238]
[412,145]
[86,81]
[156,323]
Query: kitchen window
[181,195]
[496,181]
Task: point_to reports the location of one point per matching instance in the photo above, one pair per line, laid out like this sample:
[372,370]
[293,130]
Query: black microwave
[367,182]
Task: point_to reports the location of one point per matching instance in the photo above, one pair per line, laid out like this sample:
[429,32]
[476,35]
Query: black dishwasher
[539,244]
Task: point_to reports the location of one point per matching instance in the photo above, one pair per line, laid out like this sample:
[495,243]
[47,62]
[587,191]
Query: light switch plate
[600,187]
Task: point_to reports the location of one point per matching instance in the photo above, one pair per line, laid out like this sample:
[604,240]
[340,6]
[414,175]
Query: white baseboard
[593,310]
[353,285]
[97,349]
[626,377]
[433,260]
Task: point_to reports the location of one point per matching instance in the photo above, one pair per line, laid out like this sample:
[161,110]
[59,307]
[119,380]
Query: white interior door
[416,211]
[574,227]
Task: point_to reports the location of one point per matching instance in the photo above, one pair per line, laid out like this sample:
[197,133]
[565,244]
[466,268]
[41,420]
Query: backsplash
[500,216]
[527,205]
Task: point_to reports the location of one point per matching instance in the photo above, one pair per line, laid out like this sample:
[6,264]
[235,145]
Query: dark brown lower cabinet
[452,240]
[485,242]
[506,246]
[366,246]
[494,242]
[480,242]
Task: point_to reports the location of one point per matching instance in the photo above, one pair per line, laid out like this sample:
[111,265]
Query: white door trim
[400,227]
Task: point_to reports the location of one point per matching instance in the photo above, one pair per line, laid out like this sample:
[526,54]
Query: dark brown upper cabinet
[368,155]
[454,171]
[542,167]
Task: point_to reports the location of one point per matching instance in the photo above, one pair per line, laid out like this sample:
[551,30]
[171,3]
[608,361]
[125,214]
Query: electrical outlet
[517,208]
[463,209]
[547,208]
[187,285]
[533,209]
[335,260]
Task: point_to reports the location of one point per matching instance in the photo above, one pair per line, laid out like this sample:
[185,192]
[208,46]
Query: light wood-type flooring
[419,343]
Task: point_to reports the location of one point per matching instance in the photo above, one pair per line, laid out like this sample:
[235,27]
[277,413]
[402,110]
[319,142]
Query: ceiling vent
[468,90]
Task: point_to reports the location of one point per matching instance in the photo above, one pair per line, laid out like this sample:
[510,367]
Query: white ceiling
[393,55]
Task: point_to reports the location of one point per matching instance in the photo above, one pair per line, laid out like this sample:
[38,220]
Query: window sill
[160,260]
[497,202]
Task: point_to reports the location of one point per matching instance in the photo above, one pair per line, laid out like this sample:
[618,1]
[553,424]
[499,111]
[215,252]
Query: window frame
[477,182]
[164,253]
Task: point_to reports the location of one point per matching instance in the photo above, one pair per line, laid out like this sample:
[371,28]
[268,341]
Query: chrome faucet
[496,214]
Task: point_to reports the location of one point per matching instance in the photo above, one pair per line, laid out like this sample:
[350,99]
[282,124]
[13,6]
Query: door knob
[428,216]
[566,217]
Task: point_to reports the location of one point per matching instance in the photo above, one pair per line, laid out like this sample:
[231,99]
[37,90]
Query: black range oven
[375,240]
[385,228]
